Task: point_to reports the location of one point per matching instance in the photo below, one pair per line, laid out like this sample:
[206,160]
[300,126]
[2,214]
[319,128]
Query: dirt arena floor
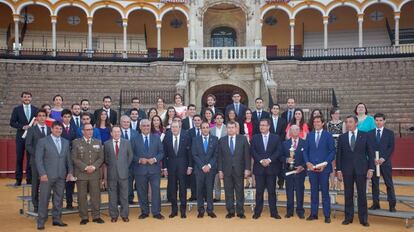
[11,220]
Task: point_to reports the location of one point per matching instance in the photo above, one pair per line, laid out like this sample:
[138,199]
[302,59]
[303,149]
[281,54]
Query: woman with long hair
[104,126]
[232,117]
[151,113]
[161,108]
[299,120]
[180,109]
[208,117]
[56,111]
[171,113]
[48,120]
[247,130]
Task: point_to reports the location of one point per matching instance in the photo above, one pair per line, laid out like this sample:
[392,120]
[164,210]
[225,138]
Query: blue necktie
[353,141]
[77,122]
[198,132]
[289,116]
[378,136]
[205,144]
[126,135]
[231,146]
[318,138]
[27,112]
[146,145]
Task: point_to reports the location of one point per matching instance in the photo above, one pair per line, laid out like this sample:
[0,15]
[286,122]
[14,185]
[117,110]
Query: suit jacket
[72,135]
[242,111]
[118,168]
[325,152]
[285,116]
[84,155]
[156,151]
[113,116]
[256,120]
[385,146]
[182,160]
[239,161]
[273,151]
[50,162]
[359,160]
[137,128]
[18,118]
[202,158]
[73,123]
[300,149]
[186,123]
[223,132]
[280,128]
[141,114]
[33,135]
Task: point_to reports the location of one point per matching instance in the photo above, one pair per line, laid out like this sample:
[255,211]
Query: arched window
[223,37]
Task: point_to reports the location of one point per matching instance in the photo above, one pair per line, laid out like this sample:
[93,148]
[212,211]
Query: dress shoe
[132,203]
[114,220]
[40,227]
[366,224]
[230,215]
[98,220]
[36,209]
[84,221]
[277,216]
[192,199]
[301,216]
[60,224]
[255,216]
[28,181]
[241,216]
[158,216]
[393,209]
[327,220]
[125,219]
[216,200]
[69,207]
[183,216]
[143,216]
[288,215]
[172,215]
[346,222]
[19,183]
[375,206]
[311,218]
[200,215]
[212,215]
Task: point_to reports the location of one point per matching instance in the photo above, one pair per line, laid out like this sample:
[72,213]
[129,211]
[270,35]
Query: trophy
[292,156]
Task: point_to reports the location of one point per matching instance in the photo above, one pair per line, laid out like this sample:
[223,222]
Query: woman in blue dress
[56,112]
[104,126]
[365,121]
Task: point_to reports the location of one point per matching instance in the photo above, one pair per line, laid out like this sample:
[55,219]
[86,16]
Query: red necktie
[116,149]
[295,143]
[67,130]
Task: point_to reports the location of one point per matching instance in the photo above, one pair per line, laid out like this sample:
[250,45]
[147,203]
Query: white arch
[389,3]
[339,4]
[18,11]
[9,5]
[144,8]
[402,4]
[60,7]
[304,7]
[276,7]
[174,8]
[108,6]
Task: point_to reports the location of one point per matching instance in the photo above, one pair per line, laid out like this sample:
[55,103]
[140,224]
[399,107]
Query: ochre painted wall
[278,34]
[62,20]
[5,16]
[136,21]
[173,37]
[407,16]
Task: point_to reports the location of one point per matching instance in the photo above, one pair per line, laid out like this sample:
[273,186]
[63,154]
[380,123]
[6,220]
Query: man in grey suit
[118,157]
[219,131]
[234,165]
[55,167]
[148,152]
[35,133]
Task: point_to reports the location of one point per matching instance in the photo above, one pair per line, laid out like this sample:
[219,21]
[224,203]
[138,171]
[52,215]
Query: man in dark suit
[188,121]
[354,164]
[289,113]
[55,167]
[234,164]
[266,149]
[76,121]
[238,107]
[118,157]
[295,183]
[211,104]
[382,140]
[134,118]
[129,134]
[33,135]
[177,164]
[85,109]
[259,114]
[148,152]
[192,133]
[112,114]
[135,104]
[318,158]
[20,119]
[69,133]
[204,153]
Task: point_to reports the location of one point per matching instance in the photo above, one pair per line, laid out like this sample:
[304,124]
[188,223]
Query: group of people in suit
[195,151]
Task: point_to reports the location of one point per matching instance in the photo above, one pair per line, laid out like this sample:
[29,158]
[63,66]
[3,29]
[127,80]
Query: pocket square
[96,146]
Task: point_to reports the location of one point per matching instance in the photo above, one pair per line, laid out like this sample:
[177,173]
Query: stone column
[159,24]
[360,30]
[397,28]
[90,21]
[16,19]
[292,36]
[125,37]
[54,47]
[325,32]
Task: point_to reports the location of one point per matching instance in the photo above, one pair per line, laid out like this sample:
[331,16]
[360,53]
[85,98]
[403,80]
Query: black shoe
[84,221]
[241,216]
[346,222]
[132,203]
[393,209]
[19,183]
[61,224]
[288,215]
[216,200]
[69,207]
[114,220]
[192,199]
[200,215]
[280,187]
[172,215]
[98,220]
[36,209]
[125,219]
[255,216]
[143,216]
[230,215]
[366,224]
[158,216]
[183,216]
[212,215]
[301,216]
[40,227]
[28,181]
[277,216]
[327,220]
[375,207]
[311,218]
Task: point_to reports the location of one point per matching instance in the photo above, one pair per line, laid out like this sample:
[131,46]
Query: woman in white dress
[180,109]
[161,108]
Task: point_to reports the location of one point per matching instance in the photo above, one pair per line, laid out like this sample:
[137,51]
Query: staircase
[406,34]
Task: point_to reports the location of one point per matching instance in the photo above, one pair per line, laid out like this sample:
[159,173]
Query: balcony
[212,55]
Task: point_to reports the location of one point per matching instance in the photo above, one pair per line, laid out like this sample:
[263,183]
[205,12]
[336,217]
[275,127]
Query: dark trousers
[20,148]
[69,188]
[320,181]
[35,185]
[141,182]
[281,177]
[234,184]
[386,173]
[46,188]
[191,183]
[93,186]
[295,185]
[265,182]
[131,186]
[176,181]
[205,184]
[361,184]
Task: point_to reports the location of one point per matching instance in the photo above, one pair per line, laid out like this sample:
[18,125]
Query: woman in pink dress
[299,120]
[180,109]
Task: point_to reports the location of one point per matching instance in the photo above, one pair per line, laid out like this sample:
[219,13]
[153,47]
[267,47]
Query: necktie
[176,145]
[353,141]
[295,144]
[116,149]
[59,147]
[265,141]
[43,130]
[198,132]
[88,141]
[67,130]
[77,121]
[146,145]
[378,137]
[236,108]
[27,112]
[259,115]
[231,145]
[126,135]
[318,137]
[190,120]
[107,113]
[289,116]
[275,124]
[205,144]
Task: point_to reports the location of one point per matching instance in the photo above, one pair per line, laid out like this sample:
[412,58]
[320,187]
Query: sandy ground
[11,220]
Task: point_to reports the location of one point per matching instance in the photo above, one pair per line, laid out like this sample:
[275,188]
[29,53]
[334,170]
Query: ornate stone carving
[224,71]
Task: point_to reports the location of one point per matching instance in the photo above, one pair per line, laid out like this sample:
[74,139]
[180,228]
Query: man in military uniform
[88,156]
